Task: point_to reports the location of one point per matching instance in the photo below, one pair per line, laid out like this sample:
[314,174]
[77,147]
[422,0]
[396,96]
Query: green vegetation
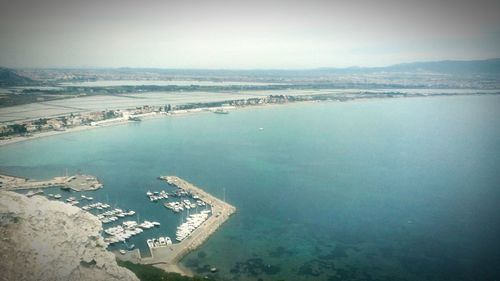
[151,273]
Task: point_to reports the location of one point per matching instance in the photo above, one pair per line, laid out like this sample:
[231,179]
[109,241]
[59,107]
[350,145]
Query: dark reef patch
[202,254]
[279,252]
[254,267]
[192,262]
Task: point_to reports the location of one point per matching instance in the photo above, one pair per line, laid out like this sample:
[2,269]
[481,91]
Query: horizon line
[245,69]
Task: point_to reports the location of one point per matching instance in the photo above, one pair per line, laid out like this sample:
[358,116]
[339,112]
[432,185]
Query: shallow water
[400,189]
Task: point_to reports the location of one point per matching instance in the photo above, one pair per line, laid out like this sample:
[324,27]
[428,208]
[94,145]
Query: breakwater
[168,257]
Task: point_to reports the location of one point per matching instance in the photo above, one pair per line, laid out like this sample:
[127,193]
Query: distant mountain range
[488,66]
[9,77]
[449,66]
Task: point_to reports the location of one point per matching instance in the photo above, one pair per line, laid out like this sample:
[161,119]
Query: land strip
[77,183]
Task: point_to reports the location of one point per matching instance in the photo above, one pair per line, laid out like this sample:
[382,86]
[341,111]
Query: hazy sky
[244,34]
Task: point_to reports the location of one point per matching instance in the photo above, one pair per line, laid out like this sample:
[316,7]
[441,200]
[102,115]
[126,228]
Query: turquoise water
[401,189]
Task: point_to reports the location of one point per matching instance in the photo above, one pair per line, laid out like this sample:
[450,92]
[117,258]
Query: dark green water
[403,189]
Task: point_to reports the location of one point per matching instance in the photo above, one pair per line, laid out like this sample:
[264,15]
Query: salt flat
[96,103]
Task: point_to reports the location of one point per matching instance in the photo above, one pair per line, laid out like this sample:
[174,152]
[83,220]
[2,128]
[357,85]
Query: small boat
[123,252]
[221,111]
[162,241]
[57,196]
[31,192]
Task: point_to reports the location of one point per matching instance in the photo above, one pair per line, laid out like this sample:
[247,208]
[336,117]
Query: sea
[382,189]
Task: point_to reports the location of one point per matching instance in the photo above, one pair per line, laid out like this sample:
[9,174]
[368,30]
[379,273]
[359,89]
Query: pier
[77,183]
[168,256]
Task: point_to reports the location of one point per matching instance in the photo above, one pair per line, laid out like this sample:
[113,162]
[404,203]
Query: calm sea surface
[401,189]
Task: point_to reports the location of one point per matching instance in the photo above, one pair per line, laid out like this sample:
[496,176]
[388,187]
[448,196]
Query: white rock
[50,240]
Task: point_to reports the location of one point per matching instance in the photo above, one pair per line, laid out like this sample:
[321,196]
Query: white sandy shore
[18,139]
[117,122]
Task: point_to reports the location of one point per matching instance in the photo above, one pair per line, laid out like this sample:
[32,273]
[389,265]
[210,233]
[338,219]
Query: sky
[241,34]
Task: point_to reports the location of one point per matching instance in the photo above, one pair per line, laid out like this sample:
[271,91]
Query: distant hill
[9,77]
[491,66]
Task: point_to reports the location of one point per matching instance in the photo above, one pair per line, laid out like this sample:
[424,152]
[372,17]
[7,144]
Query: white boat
[221,111]
[162,241]
[150,243]
[57,196]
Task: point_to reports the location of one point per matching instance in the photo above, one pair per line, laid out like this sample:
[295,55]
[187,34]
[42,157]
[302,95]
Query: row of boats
[178,206]
[191,224]
[159,242]
[126,230]
[157,195]
[109,215]
[113,215]
[71,200]
[98,205]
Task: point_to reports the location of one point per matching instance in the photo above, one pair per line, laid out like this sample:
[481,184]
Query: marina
[200,214]
[190,234]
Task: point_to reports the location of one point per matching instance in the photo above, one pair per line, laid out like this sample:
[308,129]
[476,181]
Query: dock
[77,182]
[167,257]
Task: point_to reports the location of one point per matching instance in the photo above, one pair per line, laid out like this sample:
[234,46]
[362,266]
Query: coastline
[183,112]
[178,113]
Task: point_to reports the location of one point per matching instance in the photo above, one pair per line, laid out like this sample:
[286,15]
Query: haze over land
[244,34]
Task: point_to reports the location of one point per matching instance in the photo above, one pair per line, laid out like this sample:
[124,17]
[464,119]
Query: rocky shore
[47,240]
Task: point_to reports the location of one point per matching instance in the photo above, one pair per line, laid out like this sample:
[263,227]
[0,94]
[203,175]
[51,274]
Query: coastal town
[25,127]
[32,127]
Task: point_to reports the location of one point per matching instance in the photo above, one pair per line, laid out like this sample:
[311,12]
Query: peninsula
[78,182]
